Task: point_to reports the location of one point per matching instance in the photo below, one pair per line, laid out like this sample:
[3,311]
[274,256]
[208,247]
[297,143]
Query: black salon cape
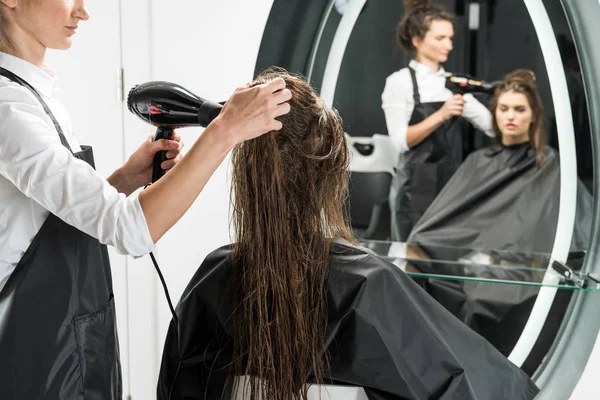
[384,334]
[501,199]
[503,204]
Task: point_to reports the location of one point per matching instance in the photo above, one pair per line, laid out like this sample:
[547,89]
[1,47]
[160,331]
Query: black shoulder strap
[416,95]
[22,82]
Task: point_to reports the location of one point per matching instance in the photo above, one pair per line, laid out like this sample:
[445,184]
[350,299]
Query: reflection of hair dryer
[169,106]
[463,83]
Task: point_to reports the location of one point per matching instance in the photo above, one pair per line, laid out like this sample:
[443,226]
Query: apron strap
[416,95]
[22,82]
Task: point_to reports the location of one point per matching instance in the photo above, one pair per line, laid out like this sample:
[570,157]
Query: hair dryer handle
[163,132]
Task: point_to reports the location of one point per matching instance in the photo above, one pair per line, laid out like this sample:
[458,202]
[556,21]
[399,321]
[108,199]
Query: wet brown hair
[416,22]
[289,188]
[523,81]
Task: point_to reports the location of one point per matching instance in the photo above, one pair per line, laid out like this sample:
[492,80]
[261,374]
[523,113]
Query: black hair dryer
[463,83]
[169,106]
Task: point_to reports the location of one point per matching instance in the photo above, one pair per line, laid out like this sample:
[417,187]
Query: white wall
[210,47]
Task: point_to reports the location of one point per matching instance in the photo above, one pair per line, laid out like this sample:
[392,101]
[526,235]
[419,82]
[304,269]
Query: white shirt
[39,175]
[398,102]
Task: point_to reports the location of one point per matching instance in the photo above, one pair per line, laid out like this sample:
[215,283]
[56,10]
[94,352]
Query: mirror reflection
[456,137]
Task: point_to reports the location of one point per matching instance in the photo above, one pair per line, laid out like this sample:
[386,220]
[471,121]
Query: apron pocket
[98,352]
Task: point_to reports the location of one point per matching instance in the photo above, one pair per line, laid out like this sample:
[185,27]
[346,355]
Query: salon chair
[372,167]
[327,392]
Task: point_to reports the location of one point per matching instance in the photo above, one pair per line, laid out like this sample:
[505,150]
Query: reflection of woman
[291,289]
[504,197]
[422,115]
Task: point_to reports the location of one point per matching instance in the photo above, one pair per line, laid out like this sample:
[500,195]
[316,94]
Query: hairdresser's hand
[137,171]
[251,111]
[453,107]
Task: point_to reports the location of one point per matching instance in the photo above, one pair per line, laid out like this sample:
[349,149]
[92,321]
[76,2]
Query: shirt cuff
[136,238]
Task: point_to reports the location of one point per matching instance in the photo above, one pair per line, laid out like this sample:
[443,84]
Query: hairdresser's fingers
[165,145]
[282,109]
[275,85]
[168,164]
[276,125]
[457,100]
[457,111]
[282,96]
[175,136]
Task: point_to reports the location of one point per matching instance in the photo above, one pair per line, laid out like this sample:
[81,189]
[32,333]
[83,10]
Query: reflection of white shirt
[398,103]
[38,174]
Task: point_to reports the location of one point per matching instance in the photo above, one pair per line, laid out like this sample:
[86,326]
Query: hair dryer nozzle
[463,83]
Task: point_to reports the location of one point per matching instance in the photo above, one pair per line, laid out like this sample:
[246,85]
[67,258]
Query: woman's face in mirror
[437,43]
[514,116]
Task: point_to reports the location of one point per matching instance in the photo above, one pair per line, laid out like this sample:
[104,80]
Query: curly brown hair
[417,20]
[523,81]
[289,188]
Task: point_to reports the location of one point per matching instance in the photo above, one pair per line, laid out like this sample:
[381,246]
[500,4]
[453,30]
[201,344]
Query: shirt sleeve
[34,160]
[397,109]
[478,114]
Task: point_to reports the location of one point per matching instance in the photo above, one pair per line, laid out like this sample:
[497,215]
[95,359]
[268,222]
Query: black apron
[58,337]
[423,171]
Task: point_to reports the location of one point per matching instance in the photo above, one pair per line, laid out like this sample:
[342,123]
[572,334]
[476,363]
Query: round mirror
[501,233]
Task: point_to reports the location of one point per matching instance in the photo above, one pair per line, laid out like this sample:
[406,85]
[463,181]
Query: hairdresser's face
[514,116]
[437,43]
[51,23]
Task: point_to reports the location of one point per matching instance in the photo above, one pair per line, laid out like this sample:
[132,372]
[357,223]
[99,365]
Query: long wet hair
[289,188]
[523,81]
[418,15]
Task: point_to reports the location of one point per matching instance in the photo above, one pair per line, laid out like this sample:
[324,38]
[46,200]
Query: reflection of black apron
[58,337]
[423,171]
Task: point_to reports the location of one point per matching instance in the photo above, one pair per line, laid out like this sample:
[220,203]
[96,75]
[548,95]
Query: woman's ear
[416,42]
[9,3]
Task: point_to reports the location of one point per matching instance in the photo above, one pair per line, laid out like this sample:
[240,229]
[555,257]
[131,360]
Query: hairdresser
[58,336]
[424,119]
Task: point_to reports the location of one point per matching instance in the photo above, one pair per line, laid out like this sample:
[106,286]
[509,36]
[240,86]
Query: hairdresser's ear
[416,42]
[10,3]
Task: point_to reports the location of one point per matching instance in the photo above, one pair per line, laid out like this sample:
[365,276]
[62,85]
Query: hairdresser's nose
[80,11]
[510,114]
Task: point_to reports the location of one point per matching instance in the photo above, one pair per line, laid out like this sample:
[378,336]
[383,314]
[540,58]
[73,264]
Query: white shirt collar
[424,69]
[41,79]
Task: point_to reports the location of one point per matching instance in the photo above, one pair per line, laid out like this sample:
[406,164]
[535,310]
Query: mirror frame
[566,361]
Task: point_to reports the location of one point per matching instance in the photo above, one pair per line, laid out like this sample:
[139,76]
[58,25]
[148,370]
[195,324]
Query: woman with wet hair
[425,121]
[293,301]
[519,176]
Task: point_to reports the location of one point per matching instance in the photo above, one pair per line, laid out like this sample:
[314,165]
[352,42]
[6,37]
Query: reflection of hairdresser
[506,196]
[423,117]
[293,301]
